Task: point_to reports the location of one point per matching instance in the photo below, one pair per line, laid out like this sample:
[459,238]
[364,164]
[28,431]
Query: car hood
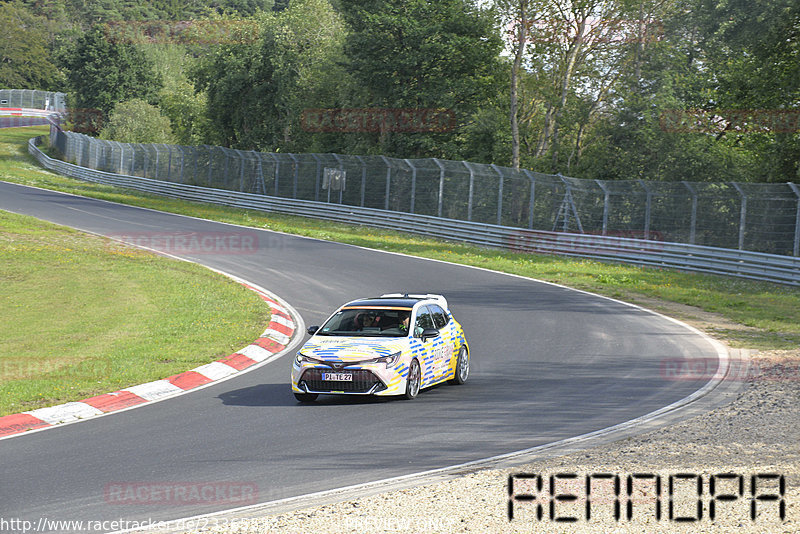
[351,349]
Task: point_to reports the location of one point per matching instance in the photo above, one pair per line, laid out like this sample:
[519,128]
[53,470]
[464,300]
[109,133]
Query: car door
[428,357]
[446,349]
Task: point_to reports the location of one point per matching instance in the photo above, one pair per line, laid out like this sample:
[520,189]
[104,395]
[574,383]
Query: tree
[136,121]
[186,111]
[25,61]
[103,73]
[419,54]
[257,90]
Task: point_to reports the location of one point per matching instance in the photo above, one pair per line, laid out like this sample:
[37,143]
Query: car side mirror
[312,330]
[429,333]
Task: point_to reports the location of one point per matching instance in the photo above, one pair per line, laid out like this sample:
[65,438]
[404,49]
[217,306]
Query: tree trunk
[522,30]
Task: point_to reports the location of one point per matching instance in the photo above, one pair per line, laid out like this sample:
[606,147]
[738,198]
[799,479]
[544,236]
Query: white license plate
[338,377]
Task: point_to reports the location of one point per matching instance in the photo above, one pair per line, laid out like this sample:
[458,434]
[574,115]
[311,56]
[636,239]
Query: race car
[395,344]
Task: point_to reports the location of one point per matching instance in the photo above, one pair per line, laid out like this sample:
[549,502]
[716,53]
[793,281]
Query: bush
[136,121]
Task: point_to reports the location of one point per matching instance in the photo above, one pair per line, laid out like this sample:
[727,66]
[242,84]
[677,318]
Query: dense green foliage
[103,73]
[136,121]
[25,62]
[701,90]
[257,90]
[415,54]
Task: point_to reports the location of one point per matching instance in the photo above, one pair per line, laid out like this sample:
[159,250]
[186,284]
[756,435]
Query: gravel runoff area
[756,434]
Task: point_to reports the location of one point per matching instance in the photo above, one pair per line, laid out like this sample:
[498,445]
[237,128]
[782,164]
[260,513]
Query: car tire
[462,366]
[413,380]
[306,397]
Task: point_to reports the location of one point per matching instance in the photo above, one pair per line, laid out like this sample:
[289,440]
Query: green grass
[82,315]
[764,315]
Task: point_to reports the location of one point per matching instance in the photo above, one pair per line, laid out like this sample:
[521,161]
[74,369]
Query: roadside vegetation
[756,314]
[82,315]
[696,90]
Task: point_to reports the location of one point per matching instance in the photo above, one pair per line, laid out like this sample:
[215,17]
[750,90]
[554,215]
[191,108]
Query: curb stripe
[285,322]
[188,380]
[64,413]
[20,422]
[111,402]
[256,353]
[269,344]
[154,390]
[281,328]
[215,370]
[238,361]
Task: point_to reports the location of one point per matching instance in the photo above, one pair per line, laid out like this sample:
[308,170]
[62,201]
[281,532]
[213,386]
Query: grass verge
[82,315]
[757,315]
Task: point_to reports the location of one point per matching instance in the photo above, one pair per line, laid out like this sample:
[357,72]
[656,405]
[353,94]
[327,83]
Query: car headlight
[302,358]
[388,360]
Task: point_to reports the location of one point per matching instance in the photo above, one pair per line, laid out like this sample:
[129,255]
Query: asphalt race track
[547,363]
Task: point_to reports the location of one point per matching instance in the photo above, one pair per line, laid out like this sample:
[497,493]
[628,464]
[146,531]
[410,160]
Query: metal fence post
[341,168]
[742,214]
[363,179]
[532,178]
[169,162]
[499,195]
[262,186]
[441,186]
[413,184]
[605,205]
[121,157]
[277,171]
[388,181]
[146,160]
[155,148]
[693,223]
[471,188]
[241,170]
[796,248]
[296,167]
[317,180]
[647,208]
[183,160]
[196,159]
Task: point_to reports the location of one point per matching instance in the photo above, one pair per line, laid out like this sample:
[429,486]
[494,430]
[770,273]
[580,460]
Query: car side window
[440,317]
[424,321]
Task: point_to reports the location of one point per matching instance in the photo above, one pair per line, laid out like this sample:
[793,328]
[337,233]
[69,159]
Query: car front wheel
[413,380]
[306,397]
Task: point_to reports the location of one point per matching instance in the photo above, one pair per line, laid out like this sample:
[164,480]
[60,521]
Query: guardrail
[26,112]
[752,265]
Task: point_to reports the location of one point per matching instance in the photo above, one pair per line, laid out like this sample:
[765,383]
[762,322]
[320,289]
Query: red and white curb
[275,339]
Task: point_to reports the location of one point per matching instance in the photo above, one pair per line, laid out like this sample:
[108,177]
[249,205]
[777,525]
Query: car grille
[363,381]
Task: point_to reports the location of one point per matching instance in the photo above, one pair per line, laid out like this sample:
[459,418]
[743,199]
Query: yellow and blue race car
[395,344]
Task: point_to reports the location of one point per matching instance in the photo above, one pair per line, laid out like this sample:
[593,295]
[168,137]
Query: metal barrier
[19,122]
[744,264]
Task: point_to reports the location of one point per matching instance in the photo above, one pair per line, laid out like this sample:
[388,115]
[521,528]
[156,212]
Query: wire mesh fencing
[27,98]
[747,216]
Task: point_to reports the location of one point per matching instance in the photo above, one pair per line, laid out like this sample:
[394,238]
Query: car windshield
[368,322]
